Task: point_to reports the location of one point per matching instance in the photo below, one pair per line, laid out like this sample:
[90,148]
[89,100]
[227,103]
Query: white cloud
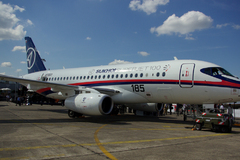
[236,26]
[23,62]
[222,25]
[88,38]
[9,27]
[3,73]
[6,64]
[148,6]
[119,62]
[187,23]
[19,48]
[29,22]
[189,37]
[19,70]
[143,53]
[163,12]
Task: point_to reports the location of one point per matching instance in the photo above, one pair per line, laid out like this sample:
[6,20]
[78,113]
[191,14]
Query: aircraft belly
[128,96]
[159,94]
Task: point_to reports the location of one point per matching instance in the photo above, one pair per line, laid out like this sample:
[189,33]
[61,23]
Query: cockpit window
[214,71]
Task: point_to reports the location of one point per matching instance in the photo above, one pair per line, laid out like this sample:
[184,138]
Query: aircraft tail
[34,60]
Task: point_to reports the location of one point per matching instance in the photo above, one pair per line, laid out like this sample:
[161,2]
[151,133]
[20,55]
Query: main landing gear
[73,114]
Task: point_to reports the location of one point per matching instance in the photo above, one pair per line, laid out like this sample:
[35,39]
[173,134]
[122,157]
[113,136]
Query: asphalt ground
[46,132]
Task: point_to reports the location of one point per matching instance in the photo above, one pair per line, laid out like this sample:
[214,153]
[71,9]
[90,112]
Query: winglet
[34,61]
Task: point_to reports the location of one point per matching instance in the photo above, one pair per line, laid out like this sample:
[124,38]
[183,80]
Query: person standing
[222,108]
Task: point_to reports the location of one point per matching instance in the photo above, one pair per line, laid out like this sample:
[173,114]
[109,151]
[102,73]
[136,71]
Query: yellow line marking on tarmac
[164,139]
[107,143]
[109,155]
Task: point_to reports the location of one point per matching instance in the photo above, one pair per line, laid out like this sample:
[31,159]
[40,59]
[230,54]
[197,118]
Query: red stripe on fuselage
[43,90]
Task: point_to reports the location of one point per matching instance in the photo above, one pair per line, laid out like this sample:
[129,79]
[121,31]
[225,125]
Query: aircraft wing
[41,84]
[57,86]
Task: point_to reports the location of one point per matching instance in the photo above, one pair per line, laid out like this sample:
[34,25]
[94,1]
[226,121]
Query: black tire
[198,126]
[224,129]
[71,114]
[213,128]
[229,129]
[184,117]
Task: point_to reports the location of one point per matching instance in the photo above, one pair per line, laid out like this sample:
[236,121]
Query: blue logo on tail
[34,60]
[31,57]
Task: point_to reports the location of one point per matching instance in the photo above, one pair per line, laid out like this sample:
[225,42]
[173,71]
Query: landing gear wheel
[198,126]
[71,114]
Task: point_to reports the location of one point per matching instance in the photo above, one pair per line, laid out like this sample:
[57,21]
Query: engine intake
[90,104]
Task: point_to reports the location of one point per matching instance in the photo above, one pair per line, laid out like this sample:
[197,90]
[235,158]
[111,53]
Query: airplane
[141,86]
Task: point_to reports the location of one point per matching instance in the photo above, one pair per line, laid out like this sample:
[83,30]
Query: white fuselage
[177,81]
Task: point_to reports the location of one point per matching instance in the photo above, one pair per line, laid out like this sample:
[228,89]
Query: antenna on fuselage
[175,58]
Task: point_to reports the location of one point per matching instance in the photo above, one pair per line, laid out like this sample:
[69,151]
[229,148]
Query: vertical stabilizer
[34,61]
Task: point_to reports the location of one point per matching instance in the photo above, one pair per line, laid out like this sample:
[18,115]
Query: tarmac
[46,132]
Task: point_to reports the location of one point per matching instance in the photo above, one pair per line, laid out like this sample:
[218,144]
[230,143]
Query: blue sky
[81,33]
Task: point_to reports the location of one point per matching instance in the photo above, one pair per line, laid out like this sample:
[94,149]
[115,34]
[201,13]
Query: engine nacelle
[148,107]
[90,104]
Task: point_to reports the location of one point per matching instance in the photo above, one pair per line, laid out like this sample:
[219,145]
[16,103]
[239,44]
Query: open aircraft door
[186,75]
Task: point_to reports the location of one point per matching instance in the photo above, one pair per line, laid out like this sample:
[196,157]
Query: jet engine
[90,104]
[148,107]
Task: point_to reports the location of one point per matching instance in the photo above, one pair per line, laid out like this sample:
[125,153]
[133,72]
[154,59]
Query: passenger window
[87,77]
[121,75]
[84,77]
[103,76]
[73,78]
[136,75]
[70,78]
[55,79]
[99,77]
[91,77]
[64,78]
[96,77]
[60,78]
[80,77]
[113,76]
[117,76]
[141,75]
[131,75]
[158,74]
[126,75]
[77,78]
[67,78]
[108,76]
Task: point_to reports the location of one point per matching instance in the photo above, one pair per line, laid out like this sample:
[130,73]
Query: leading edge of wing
[42,84]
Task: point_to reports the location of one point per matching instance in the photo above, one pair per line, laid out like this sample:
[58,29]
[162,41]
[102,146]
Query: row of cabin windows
[98,77]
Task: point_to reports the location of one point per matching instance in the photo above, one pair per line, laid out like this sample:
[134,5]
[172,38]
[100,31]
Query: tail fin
[34,60]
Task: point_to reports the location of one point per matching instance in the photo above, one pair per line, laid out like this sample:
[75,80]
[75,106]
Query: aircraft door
[186,75]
